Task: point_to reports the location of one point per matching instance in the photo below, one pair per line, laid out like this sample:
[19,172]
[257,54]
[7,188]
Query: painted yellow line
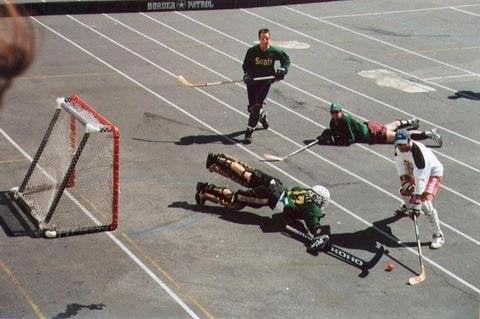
[170,278]
[24,293]
[14,161]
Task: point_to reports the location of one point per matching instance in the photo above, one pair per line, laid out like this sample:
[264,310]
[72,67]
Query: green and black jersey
[258,63]
[348,130]
[297,201]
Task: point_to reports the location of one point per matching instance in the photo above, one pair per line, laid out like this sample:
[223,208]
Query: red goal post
[72,185]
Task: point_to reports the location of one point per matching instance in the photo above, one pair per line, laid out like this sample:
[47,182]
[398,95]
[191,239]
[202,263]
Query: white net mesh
[90,199]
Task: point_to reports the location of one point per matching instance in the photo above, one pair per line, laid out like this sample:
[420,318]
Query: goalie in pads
[264,190]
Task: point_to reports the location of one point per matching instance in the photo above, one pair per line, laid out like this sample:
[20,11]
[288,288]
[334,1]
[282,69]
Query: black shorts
[266,186]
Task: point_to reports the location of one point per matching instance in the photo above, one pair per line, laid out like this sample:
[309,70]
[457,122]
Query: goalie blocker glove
[280,74]
[247,79]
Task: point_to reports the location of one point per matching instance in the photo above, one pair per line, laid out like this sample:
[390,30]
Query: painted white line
[380,41]
[464,11]
[451,77]
[112,237]
[394,12]
[446,271]
[327,80]
[374,62]
[290,85]
[241,113]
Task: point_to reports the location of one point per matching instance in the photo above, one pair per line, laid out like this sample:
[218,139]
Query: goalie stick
[195,85]
[273,158]
[339,253]
[422,276]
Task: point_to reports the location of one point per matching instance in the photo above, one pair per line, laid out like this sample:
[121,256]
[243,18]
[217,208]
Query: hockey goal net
[72,184]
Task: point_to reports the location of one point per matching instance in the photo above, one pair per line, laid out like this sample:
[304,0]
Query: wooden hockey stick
[195,85]
[420,278]
[273,158]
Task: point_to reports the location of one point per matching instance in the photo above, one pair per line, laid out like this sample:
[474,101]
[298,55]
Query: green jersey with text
[258,63]
[299,200]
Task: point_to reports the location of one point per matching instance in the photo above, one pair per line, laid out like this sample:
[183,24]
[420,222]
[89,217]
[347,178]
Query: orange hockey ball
[389,267]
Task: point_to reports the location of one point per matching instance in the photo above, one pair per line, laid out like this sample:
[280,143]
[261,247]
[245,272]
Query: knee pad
[427,208]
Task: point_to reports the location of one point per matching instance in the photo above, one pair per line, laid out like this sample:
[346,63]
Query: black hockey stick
[337,252]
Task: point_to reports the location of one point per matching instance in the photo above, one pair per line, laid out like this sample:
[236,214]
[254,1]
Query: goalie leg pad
[222,164]
[214,194]
[249,198]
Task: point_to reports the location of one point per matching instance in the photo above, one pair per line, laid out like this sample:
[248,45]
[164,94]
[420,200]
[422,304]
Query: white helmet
[323,195]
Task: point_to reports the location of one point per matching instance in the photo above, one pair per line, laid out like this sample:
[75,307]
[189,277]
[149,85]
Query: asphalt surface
[169,259]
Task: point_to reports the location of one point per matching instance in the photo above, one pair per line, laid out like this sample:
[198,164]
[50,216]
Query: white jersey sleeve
[420,163]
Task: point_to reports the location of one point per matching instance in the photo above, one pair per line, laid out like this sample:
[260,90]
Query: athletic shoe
[216,159]
[201,189]
[248,136]
[264,122]
[211,159]
[414,123]
[437,241]
[436,137]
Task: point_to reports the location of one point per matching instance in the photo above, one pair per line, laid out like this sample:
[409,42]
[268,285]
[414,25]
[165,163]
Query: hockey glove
[247,79]
[408,185]
[280,74]
[415,205]
[325,138]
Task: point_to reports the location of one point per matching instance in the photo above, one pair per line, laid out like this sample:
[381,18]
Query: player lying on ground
[345,130]
[16,46]
[420,175]
[264,190]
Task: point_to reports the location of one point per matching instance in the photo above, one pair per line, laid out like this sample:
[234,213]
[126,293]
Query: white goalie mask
[320,195]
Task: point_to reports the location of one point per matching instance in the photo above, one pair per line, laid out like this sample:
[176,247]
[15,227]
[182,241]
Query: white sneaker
[437,241]
[436,137]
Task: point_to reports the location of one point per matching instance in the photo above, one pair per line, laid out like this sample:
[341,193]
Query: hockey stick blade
[184,81]
[418,279]
[272,158]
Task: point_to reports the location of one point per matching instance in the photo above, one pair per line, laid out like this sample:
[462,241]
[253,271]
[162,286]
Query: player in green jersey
[263,190]
[259,62]
[344,130]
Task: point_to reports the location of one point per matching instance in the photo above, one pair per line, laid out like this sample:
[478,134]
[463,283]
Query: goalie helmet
[321,195]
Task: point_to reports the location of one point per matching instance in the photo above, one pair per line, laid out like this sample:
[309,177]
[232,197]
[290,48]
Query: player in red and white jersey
[420,175]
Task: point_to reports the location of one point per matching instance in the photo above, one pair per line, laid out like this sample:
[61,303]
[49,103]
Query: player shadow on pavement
[368,238]
[239,217]
[465,94]
[14,222]
[73,309]
[228,139]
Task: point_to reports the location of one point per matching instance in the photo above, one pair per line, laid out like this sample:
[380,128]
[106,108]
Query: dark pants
[257,93]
